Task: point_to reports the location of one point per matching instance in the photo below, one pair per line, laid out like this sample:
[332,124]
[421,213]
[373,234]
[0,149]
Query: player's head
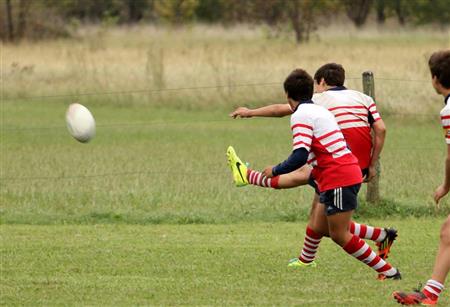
[439,64]
[299,85]
[330,74]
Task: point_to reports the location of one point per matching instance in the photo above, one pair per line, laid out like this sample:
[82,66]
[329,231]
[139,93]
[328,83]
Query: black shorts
[313,183]
[340,199]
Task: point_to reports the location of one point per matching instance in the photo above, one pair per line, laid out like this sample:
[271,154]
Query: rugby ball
[80,122]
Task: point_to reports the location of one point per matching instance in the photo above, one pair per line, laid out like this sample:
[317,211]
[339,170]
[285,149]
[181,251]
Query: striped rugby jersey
[315,129]
[445,120]
[354,113]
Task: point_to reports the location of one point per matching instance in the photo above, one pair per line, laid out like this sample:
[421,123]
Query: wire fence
[178,89]
[3,180]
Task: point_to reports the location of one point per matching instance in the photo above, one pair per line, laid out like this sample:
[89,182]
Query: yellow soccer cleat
[238,168]
[296,263]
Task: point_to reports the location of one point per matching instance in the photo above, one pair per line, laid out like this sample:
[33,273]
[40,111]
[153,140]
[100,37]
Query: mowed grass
[240,264]
[149,165]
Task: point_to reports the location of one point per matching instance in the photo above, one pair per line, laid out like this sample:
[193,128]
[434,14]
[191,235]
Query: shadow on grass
[384,209]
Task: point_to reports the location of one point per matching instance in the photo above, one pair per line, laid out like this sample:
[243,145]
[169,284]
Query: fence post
[373,191]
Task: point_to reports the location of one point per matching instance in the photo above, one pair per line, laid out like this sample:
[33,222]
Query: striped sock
[362,251]
[310,246]
[257,178]
[432,289]
[376,234]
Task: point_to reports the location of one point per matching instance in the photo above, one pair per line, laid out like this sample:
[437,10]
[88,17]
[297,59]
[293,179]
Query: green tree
[430,11]
[176,11]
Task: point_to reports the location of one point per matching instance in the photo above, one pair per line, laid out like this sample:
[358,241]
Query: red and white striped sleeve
[373,110]
[302,131]
[445,120]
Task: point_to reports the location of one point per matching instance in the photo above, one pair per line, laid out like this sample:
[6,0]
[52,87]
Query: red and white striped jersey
[354,113]
[315,129]
[445,120]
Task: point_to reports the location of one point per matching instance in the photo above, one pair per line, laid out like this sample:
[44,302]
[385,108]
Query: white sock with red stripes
[257,178]
[362,251]
[310,246]
[376,234]
[432,289]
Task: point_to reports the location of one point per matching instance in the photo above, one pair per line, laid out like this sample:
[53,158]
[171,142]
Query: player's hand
[440,192]
[241,112]
[268,172]
[372,172]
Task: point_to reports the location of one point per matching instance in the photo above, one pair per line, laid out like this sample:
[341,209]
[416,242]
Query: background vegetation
[39,19]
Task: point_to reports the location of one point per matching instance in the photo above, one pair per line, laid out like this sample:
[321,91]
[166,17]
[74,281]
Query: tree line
[37,19]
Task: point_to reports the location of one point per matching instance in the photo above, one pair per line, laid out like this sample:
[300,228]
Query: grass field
[168,166]
[78,222]
[240,264]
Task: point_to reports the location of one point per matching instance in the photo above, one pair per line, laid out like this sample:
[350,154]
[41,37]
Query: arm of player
[297,159]
[443,189]
[379,130]
[273,110]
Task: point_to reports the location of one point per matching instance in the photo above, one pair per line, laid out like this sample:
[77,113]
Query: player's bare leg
[318,221]
[338,227]
[442,264]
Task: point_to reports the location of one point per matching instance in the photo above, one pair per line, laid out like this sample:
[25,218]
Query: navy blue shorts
[340,199]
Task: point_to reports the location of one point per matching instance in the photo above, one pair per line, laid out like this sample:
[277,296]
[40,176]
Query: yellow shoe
[295,262]
[238,168]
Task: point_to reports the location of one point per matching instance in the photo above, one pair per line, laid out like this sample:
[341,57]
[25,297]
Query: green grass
[151,165]
[241,264]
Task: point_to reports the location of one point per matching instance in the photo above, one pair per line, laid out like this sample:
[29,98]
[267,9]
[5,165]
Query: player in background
[356,115]
[439,64]
[336,169]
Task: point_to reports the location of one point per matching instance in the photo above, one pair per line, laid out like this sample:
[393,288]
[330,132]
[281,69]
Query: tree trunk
[381,17]
[9,20]
[134,11]
[22,18]
[400,12]
[358,10]
[297,25]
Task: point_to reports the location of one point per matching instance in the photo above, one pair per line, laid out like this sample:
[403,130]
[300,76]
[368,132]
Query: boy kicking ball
[316,135]
[439,64]
[357,116]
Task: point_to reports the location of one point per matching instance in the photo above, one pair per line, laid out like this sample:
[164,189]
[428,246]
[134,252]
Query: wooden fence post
[373,190]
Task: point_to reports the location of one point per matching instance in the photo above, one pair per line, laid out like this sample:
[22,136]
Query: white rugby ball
[80,122]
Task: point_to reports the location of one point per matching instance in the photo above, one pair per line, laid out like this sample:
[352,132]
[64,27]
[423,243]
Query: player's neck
[335,88]
[446,94]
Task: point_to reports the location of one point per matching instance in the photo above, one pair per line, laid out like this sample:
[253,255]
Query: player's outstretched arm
[443,189]
[379,130]
[273,110]
[296,160]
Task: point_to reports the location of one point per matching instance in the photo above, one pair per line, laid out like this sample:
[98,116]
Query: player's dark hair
[332,73]
[299,85]
[439,64]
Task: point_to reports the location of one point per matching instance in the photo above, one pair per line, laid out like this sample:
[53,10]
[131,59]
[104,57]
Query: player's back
[315,129]
[354,112]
